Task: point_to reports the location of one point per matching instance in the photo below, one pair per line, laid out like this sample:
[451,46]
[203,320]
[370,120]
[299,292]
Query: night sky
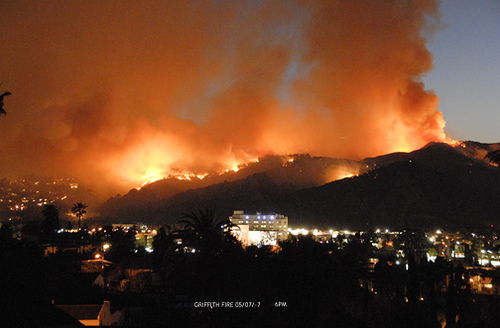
[116,93]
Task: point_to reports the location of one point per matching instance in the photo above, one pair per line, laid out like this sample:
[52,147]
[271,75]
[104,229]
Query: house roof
[131,262]
[482,272]
[36,314]
[82,312]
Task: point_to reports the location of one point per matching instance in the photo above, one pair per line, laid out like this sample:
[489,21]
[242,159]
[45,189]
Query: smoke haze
[115,93]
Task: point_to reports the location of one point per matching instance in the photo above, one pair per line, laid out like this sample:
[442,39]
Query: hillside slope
[437,185]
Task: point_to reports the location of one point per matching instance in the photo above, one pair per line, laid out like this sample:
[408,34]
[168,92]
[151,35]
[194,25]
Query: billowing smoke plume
[119,92]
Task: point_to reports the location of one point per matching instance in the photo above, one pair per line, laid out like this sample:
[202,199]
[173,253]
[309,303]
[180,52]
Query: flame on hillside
[153,176]
[454,143]
[185,176]
[340,79]
[342,172]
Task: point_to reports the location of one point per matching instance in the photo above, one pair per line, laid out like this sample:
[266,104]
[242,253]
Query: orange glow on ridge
[119,110]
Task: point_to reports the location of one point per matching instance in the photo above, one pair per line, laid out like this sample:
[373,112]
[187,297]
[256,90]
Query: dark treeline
[298,283]
[319,283]
[304,283]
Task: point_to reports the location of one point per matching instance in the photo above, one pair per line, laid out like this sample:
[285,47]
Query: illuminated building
[260,229]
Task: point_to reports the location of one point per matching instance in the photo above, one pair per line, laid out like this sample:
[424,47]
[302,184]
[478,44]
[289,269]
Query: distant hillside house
[260,229]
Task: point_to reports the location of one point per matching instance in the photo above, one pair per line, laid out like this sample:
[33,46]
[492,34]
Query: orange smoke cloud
[115,92]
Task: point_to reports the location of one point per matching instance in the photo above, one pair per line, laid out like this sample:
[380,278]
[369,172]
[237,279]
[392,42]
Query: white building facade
[260,229]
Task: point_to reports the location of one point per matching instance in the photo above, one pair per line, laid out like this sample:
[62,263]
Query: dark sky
[118,92]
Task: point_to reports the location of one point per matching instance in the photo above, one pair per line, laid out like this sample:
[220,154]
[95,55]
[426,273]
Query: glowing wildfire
[341,79]
[151,176]
[454,143]
[342,172]
[155,175]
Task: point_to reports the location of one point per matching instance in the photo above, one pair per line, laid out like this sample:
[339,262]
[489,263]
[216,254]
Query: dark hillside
[437,185]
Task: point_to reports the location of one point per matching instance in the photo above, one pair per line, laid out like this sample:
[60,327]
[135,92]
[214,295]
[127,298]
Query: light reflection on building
[260,229]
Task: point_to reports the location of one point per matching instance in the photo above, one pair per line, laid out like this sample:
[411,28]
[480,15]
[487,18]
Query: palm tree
[207,231]
[79,210]
[203,222]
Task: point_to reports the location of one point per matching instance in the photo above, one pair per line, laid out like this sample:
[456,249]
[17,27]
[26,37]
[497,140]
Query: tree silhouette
[50,223]
[204,222]
[207,232]
[2,111]
[69,225]
[6,232]
[122,243]
[79,210]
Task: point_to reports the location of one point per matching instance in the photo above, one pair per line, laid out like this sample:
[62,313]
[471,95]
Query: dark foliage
[50,223]
[301,283]
[123,244]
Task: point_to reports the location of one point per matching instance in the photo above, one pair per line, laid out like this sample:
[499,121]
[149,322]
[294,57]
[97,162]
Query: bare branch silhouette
[2,111]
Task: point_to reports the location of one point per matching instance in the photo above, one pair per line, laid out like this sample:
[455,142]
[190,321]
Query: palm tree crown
[207,231]
[79,210]
[205,222]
